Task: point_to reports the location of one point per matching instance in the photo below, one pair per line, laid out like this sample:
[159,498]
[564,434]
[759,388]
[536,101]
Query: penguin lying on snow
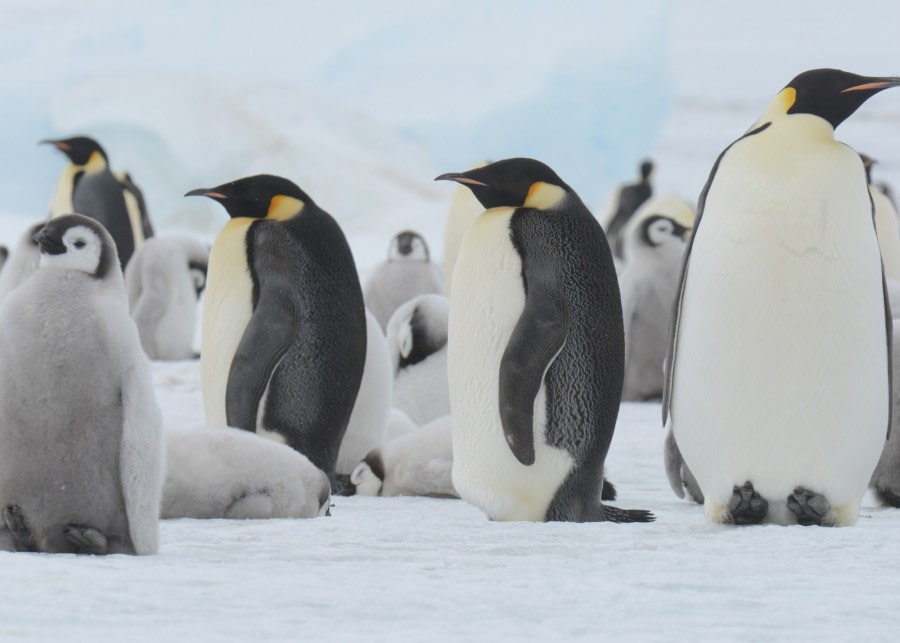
[164,279]
[535,308]
[23,262]
[284,326]
[81,455]
[778,392]
[407,272]
[417,343]
[89,187]
[229,473]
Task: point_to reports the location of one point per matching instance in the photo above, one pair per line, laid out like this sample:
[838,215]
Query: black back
[99,196]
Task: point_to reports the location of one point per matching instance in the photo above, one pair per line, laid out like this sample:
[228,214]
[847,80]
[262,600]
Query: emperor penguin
[408,272]
[648,280]
[464,209]
[778,374]
[416,464]
[535,350]
[88,186]
[81,450]
[284,327]
[22,262]
[164,280]
[885,480]
[417,344]
[887,225]
[624,202]
[229,473]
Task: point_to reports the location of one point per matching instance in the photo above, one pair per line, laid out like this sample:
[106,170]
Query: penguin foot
[810,508]
[888,497]
[607,491]
[614,514]
[87,540]
[746,506]
[18,526]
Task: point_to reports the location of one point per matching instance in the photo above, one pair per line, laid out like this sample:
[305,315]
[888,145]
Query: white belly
[781,365]
[62,196]
[486,303]
[227,310]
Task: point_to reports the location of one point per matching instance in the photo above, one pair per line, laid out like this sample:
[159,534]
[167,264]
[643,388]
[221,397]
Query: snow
[362,105]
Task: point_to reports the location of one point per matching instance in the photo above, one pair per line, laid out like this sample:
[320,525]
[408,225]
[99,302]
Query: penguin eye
[80,244]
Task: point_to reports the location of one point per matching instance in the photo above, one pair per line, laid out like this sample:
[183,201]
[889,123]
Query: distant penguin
[81,453]
[777,390]
[624,202]
[464,209]
[535,333]
[885,480]
[368,423]
[229,473]
[407,272]
[887,225]
[654,246]
[88,186]
[164,279]
[416,464]
[23,262]
[417,342]
[284,326]
[4,255]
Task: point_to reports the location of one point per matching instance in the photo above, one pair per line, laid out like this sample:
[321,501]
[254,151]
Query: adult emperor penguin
[284,326]
[653,248]
[408,272]
[535,350]
[778,371]
[81,453]
[625,202]
[164,280]
[88,186]
[887,226]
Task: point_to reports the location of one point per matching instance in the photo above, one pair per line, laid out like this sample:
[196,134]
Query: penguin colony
[506,393]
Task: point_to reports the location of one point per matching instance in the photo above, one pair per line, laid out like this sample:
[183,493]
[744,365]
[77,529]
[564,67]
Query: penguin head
[368,476]
[418,329]
[408,246]
[830,94]
[81,150]
[76,242]
[198,272]
[658,230]
[263,196]
[516,182]
[646,170]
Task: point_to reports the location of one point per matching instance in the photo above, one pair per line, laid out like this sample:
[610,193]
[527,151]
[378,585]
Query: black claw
[809,507]
[87,540]
[746,506]
[18,526]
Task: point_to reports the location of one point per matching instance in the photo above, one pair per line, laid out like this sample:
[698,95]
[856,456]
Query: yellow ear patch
[543,196]
[283,207]
[95,163]
[788,97]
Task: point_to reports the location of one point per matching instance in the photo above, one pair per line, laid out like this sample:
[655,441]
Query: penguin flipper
[266,339]
[535,342]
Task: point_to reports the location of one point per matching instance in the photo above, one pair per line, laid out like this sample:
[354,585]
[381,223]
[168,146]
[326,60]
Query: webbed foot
[87,540]
[18,526]
[746,506]
[810,508]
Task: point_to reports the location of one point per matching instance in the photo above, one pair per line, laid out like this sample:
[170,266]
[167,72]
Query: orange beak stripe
[881,84]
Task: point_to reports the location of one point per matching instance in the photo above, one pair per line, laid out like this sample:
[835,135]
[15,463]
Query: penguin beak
[208,193]
[48,243]
[876,85]
[63,147]
[459,178]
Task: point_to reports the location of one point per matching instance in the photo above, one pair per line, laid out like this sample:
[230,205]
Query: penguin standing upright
[887,226]
[536,350]
[284,326]
[88,186]
[625,202]
[778,370]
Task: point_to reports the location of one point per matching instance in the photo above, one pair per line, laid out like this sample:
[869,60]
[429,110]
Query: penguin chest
[488,299]
[227,310]
[62,196]
[781,363]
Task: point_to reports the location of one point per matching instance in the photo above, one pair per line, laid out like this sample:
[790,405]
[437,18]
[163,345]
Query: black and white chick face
[408,246]
[658,230]
[76,242]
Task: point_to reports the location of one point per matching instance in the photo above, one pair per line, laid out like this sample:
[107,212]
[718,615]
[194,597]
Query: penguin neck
[96,163]
[283,208]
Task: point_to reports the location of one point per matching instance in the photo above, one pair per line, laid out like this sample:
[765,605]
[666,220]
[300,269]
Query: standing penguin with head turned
[778,371]
[536,350]
[89,187]
[284,326]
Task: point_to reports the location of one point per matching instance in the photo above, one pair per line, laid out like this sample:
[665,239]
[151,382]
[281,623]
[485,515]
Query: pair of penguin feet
[84,539]
[747,507]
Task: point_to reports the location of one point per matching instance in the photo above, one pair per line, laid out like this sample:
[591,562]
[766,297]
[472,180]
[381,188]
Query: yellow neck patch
[283,207]
[95,163]
[543,196]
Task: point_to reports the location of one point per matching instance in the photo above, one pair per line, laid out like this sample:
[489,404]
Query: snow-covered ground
[362,104]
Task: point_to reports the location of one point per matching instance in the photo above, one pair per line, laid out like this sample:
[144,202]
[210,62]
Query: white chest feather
[487,301]
[781,363]
[62,196]
[226,312]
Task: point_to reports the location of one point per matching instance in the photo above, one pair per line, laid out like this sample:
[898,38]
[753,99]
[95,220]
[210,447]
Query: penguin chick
[408,272]
[164,279]
[81,455]
[625,202]
[23,262]
[229,473]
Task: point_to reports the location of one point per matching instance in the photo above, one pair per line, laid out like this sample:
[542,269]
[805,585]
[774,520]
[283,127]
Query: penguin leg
[19,529]
[746,506]
[608,491]
[87,540]
[811,508]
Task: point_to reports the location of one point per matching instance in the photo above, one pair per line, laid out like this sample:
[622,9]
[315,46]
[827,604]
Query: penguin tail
[614,514]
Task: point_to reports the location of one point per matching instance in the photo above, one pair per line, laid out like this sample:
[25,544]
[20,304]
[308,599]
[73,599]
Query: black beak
[49,243]
[459,177]
[207,192]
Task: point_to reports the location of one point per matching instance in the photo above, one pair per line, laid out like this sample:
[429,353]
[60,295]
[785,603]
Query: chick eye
[80,244]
